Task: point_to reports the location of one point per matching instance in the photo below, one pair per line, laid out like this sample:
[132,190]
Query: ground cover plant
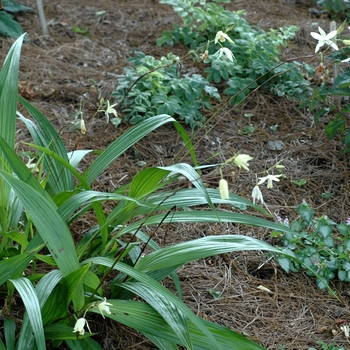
[267,198]
[242,57]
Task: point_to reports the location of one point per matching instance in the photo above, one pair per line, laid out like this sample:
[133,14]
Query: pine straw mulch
[57,70]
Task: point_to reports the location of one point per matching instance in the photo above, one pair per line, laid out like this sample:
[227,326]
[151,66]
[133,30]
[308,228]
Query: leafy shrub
[319,244]
[256,51]
[336,8]
[154,87]
[8,26]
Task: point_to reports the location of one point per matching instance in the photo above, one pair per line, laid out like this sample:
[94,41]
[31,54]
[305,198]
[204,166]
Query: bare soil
[57,70]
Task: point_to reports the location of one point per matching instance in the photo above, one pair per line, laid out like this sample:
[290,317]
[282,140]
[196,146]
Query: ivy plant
[319,244]
[256,51]
[152,87]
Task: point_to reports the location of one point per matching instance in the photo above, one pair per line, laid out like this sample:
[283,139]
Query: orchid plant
[59,277]
[320,104]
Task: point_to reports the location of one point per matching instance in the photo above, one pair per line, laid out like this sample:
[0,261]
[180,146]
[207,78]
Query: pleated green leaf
[8,107]
[19,168]
[15,265]
[146,320]
[50,225]
[160,343]
[59,331]
[123,143]
[202,216]
[86,344]
[46,285]
[44,134]
[31,303]
[191,197]
[182,253]
[146,182]
[9,91]
[51,228]
[166,307]
[57,303]
[76,156]
[191,174]
[9,332]
[174,312]
[87,197]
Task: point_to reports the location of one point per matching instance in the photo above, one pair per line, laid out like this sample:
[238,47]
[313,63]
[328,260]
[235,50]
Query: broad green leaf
[145,319]
[11,6]
[86,344]
[9,26]
[9,332]
[15,265]
[172,309]
[31,303]
[191,174]
[19,168]
[91,281]
[179,254]
[58,331]
[146,181]
[161,301]
[45,135]
[76,156]
[161,343]
[203,216]
[8,107]
[57,303]
[51,228]
[46,285]
[188,142]
[50,225]
[123,143]
[85,198]
[191,197]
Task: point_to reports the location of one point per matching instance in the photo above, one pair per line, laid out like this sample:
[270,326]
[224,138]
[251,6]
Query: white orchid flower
[110,110]
[221,36]
[324,38]
[82,126]
[103,306]
[223,188]
[79,326]
[241,160]
[257,195]
[269,179]
[226,53]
